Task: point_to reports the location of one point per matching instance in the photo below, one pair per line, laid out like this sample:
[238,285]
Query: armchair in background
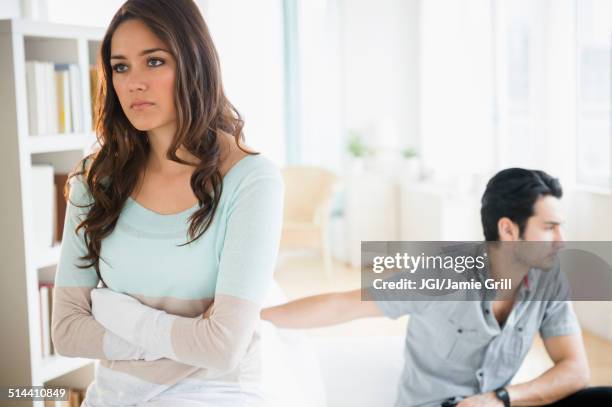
[308,195]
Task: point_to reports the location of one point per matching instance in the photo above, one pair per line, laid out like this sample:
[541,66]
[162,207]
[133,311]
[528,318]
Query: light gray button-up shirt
[457,348]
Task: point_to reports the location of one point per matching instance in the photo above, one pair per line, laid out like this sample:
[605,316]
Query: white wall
[95,13]
[358,70]
[248,37]
[10,8]
[591,214]
[380,51]
[457,86]
[320,72]
[91,13]
[590,219]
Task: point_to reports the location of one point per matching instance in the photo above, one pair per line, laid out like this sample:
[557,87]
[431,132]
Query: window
[518,99]
[594,108]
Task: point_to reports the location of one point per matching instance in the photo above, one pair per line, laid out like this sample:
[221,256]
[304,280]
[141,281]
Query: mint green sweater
[172,317]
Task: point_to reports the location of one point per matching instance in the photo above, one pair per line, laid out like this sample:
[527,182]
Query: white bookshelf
[20,41]
[48,257]
[56,366]
[60,142]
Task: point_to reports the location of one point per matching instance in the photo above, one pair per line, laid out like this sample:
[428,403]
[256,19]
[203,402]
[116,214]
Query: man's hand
[482,400]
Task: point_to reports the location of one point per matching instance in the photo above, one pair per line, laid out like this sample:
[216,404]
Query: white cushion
[345,371]
[361,371]
[290,370]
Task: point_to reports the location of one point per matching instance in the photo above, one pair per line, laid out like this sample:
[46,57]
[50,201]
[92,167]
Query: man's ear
[507,230]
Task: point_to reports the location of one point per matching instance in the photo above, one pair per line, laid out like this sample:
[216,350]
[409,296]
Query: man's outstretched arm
[321,310]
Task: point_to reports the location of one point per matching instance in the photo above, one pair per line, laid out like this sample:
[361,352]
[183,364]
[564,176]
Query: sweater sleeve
[219,339]
[74,331]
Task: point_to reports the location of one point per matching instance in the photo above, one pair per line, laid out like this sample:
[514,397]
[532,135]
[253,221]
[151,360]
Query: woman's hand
[110,308]
[119,313]
[106,307]
[126,317]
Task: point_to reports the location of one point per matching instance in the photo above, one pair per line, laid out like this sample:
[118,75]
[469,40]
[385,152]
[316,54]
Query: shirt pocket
[461,343]
[518,343]
[511,348]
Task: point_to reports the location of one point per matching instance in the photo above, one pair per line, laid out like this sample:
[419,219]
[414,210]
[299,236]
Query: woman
[177,218]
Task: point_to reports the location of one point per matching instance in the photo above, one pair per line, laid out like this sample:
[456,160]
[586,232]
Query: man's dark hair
[512,193]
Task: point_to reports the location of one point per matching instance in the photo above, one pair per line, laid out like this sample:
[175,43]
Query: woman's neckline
[194,207]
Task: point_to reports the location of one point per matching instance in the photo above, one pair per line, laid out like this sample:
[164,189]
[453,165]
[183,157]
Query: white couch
[361,371]
[306,371]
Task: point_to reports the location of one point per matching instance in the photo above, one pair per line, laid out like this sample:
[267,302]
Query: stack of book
[54,98]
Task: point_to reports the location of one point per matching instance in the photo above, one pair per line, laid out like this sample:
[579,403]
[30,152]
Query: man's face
[542,236]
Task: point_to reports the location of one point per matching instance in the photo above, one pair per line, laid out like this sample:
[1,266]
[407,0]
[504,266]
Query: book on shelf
[45,293]
[43,206]
[93,90]
[48,206]
[63,99]
[76,104]
[54,98]
[50,99]
[60,205]
[36,105]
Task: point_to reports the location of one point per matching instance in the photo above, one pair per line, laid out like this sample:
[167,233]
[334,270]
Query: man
[466,353]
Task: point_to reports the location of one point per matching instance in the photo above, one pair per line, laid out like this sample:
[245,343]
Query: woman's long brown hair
[203,113]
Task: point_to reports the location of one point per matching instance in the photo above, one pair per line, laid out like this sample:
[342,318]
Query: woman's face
[143,73]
